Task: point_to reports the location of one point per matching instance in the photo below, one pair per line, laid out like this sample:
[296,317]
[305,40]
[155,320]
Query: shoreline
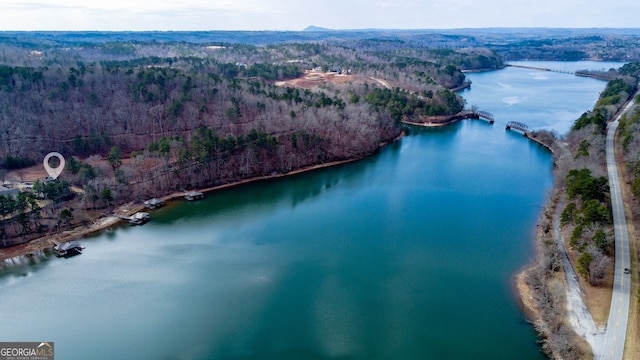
[443,120]
[466,85]
[524,292]
[474,71]
[106,221]
[546,146]
[553,313]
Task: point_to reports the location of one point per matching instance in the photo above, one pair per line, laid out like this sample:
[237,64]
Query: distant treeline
[511,44]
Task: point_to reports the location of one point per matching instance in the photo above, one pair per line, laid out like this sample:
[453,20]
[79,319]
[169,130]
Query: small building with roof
[153,203]
[193,195]
[68,248]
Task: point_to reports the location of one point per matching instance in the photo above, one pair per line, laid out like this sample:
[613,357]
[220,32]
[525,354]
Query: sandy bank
[525,296]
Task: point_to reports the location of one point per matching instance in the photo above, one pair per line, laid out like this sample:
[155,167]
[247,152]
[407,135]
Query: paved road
[613,346]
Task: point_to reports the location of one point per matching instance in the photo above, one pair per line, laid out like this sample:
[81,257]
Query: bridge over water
[486,115]
[600,75]
[475,114]
[542,69]
[523,128]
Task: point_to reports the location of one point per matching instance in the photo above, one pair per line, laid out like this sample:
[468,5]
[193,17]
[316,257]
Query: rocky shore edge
[540,288]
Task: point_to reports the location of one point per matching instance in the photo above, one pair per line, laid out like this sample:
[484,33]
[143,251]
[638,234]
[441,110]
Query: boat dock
[153,203]
[138,218]
[67,249]
[193,195]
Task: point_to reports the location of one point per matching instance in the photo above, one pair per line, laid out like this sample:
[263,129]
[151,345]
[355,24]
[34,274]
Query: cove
[408,254]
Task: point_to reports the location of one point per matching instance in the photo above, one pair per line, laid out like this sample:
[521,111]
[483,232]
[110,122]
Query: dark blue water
[408,254]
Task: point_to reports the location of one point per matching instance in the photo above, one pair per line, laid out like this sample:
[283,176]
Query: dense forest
[588,212]
[140,119]
[629,140]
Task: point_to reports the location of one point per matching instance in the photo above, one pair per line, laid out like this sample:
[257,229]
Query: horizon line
[313,28]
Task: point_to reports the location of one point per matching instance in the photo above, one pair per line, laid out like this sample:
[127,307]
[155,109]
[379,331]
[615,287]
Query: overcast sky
[296,15]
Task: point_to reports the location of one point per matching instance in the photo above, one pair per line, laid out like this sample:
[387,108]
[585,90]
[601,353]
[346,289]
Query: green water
[408,254]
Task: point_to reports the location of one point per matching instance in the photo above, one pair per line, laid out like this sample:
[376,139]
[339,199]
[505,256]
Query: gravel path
[579,316]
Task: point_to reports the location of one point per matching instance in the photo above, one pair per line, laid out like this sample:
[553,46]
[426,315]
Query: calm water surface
[406,255]
[540,99]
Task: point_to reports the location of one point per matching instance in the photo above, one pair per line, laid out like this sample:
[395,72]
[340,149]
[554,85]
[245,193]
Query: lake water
[408,254]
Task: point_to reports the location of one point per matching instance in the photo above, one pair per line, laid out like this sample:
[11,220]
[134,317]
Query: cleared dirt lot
[313,79]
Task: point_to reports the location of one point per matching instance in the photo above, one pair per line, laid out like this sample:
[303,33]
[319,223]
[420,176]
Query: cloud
[130,14]
[138,6]
[291,15]
[32,5]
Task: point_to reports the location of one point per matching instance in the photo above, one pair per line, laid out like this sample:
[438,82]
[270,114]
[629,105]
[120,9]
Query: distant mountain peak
[316,28]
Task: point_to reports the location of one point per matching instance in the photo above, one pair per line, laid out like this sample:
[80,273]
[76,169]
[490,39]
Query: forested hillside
[588,212]
[84,108]
[136,120]
[629,138]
